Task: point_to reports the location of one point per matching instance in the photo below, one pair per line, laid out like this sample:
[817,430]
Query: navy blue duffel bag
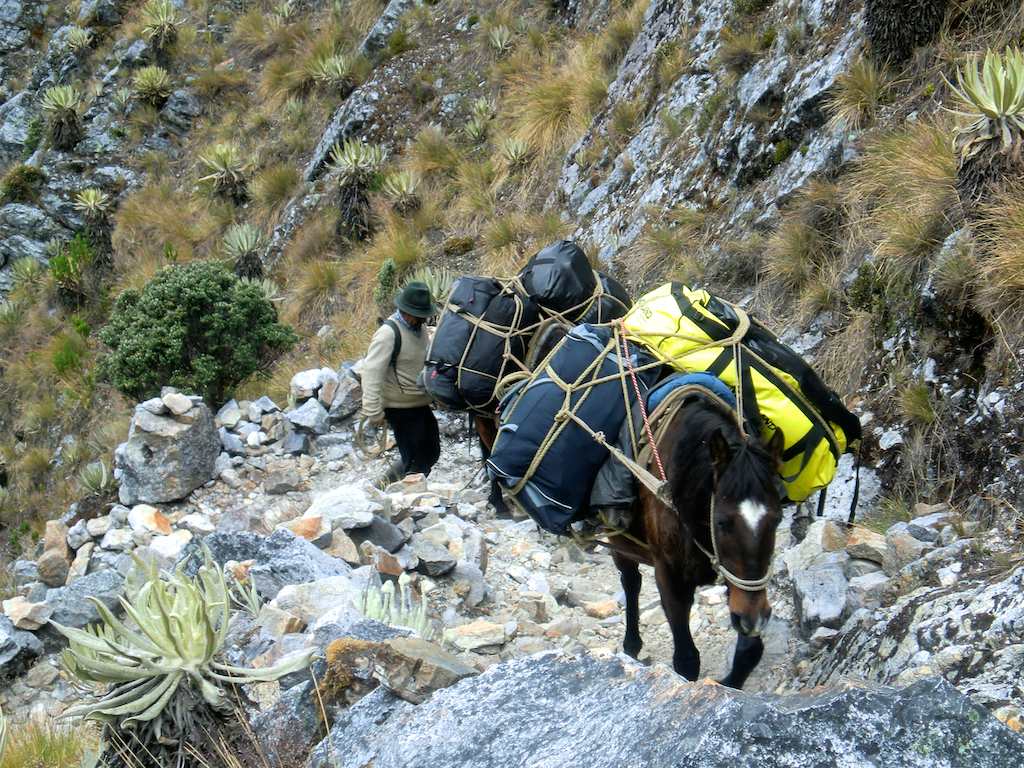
[558,490]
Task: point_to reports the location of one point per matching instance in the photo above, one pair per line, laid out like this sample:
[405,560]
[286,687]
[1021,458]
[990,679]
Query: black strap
[398,344]
[856,491]
[856,487]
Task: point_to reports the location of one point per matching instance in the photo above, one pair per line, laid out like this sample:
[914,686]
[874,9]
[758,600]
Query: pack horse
[686,424]
[717,520]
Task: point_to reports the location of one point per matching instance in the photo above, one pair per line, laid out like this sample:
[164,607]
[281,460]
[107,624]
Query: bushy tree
[194,326]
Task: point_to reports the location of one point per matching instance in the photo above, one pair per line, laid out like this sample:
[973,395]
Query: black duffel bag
[480,330]
[560,279]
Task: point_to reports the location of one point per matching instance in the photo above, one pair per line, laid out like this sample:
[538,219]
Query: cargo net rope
[513,286]
[654,425]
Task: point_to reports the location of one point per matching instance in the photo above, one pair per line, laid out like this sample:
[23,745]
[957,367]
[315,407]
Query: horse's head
[747,511]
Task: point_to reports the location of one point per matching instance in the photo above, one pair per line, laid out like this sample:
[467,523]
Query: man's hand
[375,419]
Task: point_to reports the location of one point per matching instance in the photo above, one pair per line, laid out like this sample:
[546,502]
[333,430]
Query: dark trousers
[419,442]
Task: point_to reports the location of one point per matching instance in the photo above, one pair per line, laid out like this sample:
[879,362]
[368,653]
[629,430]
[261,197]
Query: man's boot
[393,474]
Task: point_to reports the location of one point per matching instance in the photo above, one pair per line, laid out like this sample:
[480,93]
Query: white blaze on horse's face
[752,512]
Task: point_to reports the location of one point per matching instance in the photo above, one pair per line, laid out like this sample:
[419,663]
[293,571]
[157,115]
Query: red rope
[643,405]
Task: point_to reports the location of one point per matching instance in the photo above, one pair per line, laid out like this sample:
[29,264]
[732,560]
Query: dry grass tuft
[159,223]
[858,95]
[433,153]
[905,189]
[552,105]
[844,361]
[46,744]
[1000,294]
[274,186]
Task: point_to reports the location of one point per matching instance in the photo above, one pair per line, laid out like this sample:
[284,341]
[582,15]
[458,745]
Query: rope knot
[562,415]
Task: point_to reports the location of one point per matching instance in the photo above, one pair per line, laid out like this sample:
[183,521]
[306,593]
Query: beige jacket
[398,387]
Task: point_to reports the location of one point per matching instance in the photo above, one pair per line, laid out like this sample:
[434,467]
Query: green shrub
[68,352]
[20,184]
[194,326]
[399,42]
[387,282]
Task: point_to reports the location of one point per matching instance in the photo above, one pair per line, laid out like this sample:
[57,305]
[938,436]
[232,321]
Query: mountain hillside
[830,165]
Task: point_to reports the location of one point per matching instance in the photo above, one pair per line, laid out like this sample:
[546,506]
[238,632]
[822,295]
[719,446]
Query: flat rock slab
[560,711]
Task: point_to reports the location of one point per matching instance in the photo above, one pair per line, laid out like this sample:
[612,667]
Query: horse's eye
[724,525]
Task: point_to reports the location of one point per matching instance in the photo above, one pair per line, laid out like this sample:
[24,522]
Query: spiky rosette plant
[515,153]
[242,246]
[501,39]
[228,172]
[896,27]
[62,105]
[94,205]
[78,39]
[160,24]
[358,165]
[336,73]
[162,688]
[402,189]
[152,85]
[989,147]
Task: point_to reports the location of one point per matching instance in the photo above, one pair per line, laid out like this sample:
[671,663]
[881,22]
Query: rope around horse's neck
[748,585]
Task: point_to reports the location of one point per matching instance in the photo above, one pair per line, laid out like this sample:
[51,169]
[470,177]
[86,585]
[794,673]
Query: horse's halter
[747,585]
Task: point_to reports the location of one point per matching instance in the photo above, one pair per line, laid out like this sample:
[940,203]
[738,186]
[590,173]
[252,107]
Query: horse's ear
[721,454]
[776,446]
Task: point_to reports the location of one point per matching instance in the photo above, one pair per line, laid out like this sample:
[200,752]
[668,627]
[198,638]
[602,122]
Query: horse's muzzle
[751,625]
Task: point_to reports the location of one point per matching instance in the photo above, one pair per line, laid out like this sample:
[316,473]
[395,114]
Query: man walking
[391,389]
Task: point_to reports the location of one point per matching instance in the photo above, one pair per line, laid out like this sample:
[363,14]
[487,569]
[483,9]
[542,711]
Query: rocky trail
[318,541]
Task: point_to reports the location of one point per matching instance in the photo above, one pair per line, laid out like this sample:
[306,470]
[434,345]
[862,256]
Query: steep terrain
[788,155]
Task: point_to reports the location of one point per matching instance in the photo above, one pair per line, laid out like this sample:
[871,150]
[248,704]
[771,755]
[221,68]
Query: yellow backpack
[696,332]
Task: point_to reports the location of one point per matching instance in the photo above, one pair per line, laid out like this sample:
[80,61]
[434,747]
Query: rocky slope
[931,588]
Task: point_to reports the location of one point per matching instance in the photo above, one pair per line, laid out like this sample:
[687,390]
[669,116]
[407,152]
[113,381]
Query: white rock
[229,414]
[144,518]
[169,548]
[98,526]
[177,403]
[345,507]
[117,540]
[197,523]
[311,600]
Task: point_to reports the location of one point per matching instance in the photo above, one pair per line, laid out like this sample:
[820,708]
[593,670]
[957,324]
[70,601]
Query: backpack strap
[393,362]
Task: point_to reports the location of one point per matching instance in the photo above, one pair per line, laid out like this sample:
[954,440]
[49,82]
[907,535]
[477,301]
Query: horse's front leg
[629,575]
[677,600]
[749,651]
[487,431]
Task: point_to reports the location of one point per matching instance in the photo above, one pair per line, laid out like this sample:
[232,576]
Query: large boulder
[167,455]
[284,559]
[71,605]
[561,711]
[972,635]
[99,13]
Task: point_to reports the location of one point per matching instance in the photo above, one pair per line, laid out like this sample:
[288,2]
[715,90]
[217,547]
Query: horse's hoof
[729,683]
